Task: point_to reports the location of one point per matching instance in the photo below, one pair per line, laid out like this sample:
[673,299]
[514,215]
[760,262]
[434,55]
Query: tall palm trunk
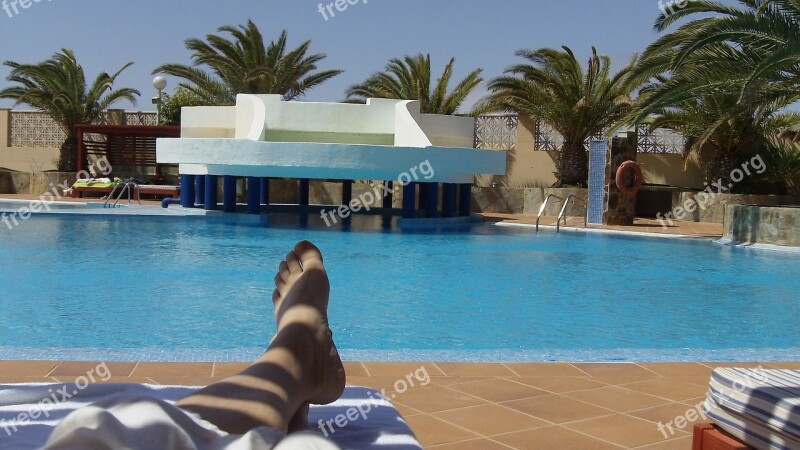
[573,165]
[722,163]
[67,161]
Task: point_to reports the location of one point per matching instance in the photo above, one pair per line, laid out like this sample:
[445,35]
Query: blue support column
[187,191]
[253,195]
[210,203]
[421,195]
[229,194]
[409,201]
[431,200]
[304,188]
[265,191]
[199,190]
[347,192]
[449,200]
[388,194]
[465,200]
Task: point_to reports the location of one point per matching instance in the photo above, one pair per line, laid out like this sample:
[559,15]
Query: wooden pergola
[124,146]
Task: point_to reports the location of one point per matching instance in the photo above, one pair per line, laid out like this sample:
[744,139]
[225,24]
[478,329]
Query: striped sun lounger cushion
[360,419]
[760,407]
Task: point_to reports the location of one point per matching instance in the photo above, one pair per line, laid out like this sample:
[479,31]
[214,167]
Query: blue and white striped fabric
[760,407]
[360,419]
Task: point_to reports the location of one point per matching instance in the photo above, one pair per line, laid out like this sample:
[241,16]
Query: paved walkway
[486,406]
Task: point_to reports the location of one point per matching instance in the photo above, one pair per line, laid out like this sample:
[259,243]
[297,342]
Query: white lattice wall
[37,129]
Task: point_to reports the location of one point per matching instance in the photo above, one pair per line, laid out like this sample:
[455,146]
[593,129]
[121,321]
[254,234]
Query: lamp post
[160,83]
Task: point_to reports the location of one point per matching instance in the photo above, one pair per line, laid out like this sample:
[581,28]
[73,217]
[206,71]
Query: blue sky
[105,34]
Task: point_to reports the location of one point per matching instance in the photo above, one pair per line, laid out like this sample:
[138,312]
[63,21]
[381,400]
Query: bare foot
[301,298]
[287,267]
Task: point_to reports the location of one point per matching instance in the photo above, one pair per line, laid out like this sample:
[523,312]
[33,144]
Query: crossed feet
[301,295]
[300,367]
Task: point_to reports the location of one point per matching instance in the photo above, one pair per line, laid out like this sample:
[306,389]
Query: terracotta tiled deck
[485,406]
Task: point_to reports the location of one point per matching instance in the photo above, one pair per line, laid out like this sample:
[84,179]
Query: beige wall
[528,168]
[23,159]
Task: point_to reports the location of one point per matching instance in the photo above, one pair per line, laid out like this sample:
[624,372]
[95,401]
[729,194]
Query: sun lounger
[144,189]
[760,408]
[27,417]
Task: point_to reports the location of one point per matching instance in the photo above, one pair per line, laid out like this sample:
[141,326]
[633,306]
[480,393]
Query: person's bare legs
[300,367]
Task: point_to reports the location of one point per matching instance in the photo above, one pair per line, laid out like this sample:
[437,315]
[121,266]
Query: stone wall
[525,201]
[34,183]
[749,224]
[713,210]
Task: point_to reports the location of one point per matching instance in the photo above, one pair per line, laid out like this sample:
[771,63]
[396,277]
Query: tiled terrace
[485,406]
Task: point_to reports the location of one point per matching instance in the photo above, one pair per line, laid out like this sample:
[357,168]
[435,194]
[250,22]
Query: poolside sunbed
[79,188]
[757,407]
[29,421]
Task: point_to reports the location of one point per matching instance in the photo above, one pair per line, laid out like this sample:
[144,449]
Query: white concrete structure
[264,136]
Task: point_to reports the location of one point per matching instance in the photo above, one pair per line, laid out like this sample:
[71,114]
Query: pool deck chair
[361,419]
[144,189]
[751,408]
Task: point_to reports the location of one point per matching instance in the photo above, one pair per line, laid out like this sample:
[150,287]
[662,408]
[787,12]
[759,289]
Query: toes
[308,253]
[276,295]
[293,262]
[280,283]
[283,270]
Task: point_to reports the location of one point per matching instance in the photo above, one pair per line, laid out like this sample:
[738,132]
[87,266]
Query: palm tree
[410,79]
[244,65]
[58,86]
[718,80]
[721,126]
[763,38]
[578,104]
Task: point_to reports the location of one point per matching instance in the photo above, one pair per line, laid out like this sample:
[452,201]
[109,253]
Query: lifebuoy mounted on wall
[629,178]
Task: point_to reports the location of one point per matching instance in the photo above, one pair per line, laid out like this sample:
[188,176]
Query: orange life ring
[624,182]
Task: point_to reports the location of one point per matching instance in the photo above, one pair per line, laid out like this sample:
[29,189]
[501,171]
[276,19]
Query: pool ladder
[563,213]
[126,187]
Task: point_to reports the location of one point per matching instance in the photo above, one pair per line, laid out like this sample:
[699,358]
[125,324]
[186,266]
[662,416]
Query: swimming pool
[117,288]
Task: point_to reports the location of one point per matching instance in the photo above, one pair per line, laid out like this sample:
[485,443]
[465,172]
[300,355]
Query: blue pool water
[194,288]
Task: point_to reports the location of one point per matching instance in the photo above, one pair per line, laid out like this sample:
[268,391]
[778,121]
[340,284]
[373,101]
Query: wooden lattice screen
[128,148]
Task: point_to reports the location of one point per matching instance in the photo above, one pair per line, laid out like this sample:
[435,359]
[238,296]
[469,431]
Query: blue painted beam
[409,201]
[229,194]
[210,204]
[253,195]
[304,191]
[389,194]
[347,192]
[465,199]
[449,194]
[265,191]
[199,190]
[187,191]
[431,200]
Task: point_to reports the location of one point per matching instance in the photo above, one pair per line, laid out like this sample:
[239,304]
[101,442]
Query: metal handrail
[126,187]
[564,211]
[542,208]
